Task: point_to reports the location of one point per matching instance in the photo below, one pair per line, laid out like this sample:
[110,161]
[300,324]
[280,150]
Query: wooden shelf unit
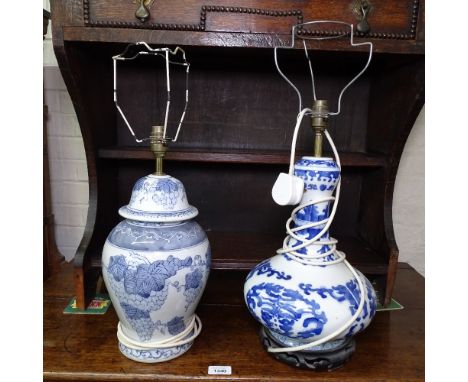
[238,128]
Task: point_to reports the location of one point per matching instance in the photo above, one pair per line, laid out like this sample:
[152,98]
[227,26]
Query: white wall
[48,51]
[70,187]
[67,164]
[67,160]
[408,199]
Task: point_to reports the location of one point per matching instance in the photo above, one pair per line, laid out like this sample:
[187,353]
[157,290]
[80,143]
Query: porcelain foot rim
[154,355]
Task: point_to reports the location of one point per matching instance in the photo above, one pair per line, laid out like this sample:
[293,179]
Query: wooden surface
[389,17]
[227,39]
[84,348]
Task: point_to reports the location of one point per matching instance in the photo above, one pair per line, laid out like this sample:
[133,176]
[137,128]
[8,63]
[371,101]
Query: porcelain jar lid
[160,199]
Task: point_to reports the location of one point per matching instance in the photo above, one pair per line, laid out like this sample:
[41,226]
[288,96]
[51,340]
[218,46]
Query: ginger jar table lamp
[156,262]
[308,298]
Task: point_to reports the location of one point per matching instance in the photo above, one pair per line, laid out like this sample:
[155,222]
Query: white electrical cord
[177,340]
[315,260]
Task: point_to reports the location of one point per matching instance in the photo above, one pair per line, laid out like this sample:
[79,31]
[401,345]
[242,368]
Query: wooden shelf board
[242,251]
[351,159]
[84,347]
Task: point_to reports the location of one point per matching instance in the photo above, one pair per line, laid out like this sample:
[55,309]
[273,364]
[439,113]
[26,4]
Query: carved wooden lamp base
[326,360]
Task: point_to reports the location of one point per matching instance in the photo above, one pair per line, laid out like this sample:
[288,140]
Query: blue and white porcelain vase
[155,264]
[300,301]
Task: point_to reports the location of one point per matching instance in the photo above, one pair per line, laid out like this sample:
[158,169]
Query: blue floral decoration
[266,268]
[170,192]
[167,186]
[279,311]
[146,277]
[164,191]
[340,293]
[352,295]
[139,184]
[142,287]
[318,175]
[316,162]
[134,313]
[193,279]
[176,325]
[154,355]
[117,267]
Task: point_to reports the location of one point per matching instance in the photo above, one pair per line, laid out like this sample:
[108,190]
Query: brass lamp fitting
[319,121]
[158,147]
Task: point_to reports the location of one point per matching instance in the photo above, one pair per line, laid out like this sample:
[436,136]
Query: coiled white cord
[177,340]
[315,260]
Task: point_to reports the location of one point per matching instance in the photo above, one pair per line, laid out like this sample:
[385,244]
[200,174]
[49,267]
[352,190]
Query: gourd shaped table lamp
[156,262]
[309,299]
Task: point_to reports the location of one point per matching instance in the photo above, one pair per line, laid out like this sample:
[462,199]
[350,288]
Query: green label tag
[98,305]
[394,305]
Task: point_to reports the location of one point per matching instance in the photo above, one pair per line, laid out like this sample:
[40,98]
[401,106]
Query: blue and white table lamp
[156,262]
[309,299]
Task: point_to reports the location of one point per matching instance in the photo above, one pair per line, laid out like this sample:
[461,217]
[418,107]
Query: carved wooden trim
[414,18]
[205,9]
[254,11]
[86,12]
